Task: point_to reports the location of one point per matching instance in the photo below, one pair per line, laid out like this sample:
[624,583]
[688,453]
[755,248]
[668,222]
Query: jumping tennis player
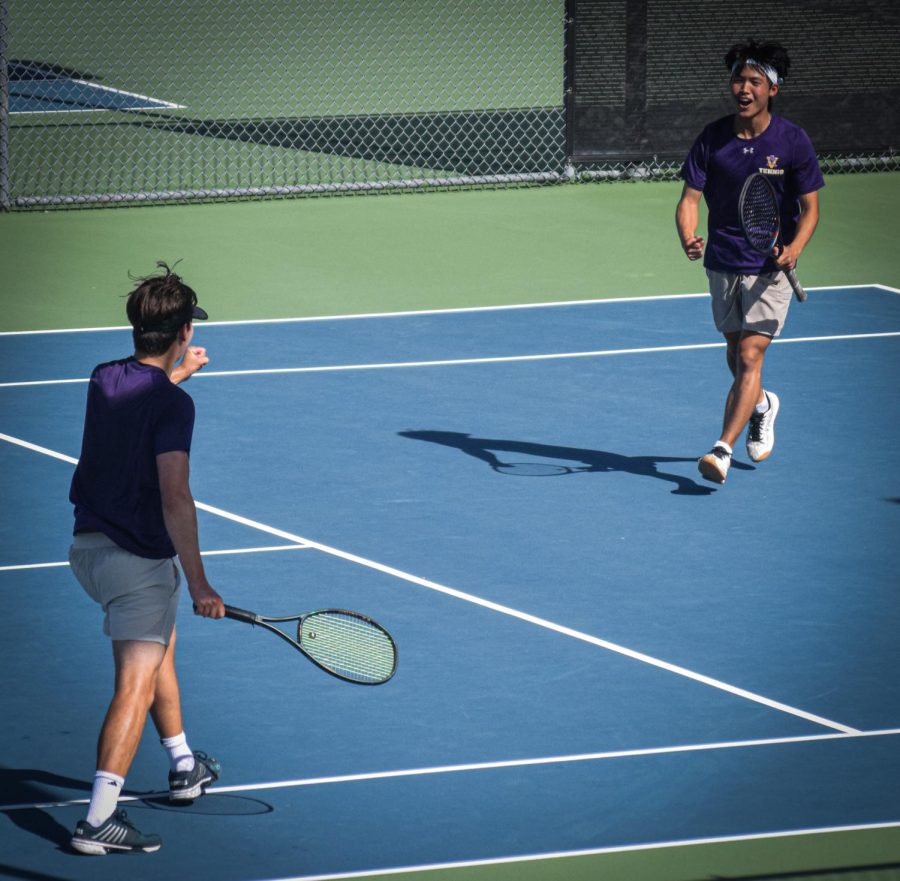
[750,292]
[133,513]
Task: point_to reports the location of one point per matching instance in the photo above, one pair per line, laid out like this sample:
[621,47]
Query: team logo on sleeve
[772,166]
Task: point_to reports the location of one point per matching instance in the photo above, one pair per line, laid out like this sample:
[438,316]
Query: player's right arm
[687,216]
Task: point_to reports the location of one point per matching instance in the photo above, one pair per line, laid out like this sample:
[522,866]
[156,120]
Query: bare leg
[166,707]
[137,665]
[746,353]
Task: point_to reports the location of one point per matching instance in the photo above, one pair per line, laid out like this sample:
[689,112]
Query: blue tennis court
[595,658]
[37,87]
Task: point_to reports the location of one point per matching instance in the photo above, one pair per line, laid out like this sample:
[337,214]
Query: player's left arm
[806,226]
[180,517]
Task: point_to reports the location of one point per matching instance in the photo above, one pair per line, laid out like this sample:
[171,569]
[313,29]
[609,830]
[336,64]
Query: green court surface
[338,256]
[850,856]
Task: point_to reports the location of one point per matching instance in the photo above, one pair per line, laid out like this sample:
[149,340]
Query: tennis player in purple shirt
[134,513]
[750,291]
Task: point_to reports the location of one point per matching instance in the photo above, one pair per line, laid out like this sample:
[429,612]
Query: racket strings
[351,646]
[759,214]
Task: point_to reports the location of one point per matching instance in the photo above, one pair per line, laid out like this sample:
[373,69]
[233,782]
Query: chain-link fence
[158,100]
[120,101]
[644,76]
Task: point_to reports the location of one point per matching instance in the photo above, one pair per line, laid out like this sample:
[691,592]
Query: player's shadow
[490,450]
[27,786]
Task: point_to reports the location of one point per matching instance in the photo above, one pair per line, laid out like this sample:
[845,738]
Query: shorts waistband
[85,540]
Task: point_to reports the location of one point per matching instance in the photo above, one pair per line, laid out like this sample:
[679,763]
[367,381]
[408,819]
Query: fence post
[4,110]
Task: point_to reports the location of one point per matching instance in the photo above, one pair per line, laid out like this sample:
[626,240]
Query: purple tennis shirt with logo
[134,413]
[720,162]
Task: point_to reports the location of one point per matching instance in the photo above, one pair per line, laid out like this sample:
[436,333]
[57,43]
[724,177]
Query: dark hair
[158,307]
[773,54]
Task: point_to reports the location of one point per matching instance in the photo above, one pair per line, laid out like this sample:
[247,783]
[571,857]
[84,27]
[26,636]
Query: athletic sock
[104,797]
[763,405]
[724,446]
[181,758]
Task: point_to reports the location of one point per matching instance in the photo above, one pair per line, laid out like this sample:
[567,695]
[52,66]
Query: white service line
[22,567]
[454,362]
[499,765]
[494,607]
[552,760]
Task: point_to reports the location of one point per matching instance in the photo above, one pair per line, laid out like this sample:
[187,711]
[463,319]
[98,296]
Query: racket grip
[241,615]
[799,293]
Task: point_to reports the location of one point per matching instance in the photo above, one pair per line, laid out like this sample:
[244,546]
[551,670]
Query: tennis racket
[761,222]
[343,643]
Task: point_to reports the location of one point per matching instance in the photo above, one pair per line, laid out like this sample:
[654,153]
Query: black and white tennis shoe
[116,834]
[185,786]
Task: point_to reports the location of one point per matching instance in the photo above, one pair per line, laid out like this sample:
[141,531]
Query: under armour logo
[748,150]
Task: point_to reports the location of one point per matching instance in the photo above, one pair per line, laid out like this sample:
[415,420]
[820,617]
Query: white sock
[763,405]
[181,757]
[104,797]
[724,446]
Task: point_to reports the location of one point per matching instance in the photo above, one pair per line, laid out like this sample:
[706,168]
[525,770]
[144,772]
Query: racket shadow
[586,461]
[212,804]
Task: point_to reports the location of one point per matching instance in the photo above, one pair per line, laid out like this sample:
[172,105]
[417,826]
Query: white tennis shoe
[761,432]
[714,465]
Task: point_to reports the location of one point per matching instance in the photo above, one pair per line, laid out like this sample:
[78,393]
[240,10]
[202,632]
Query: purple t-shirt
[134,413]
[720,162]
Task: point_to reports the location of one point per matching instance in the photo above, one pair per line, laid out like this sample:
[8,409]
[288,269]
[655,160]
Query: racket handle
[799,293]
[241,615]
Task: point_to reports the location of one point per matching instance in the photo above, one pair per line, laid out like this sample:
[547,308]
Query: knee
[137,686]
[137,670]
[749,358]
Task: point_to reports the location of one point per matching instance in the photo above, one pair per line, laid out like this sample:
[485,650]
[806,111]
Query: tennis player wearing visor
[133,513]
[750,292]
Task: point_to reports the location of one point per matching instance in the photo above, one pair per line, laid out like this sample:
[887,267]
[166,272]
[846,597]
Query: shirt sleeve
[807,176]
[693,172]
[174,423]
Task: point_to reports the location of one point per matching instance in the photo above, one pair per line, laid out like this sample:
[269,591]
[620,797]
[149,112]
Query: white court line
[421,312]
[157,103]
[533,619]
[23,567]
[264,550]
[539,761]
[492,606]
[454,362]
[44,451]
[412,313]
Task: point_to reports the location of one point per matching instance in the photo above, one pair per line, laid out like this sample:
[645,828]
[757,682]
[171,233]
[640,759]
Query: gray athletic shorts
[139,596]
[756,303]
